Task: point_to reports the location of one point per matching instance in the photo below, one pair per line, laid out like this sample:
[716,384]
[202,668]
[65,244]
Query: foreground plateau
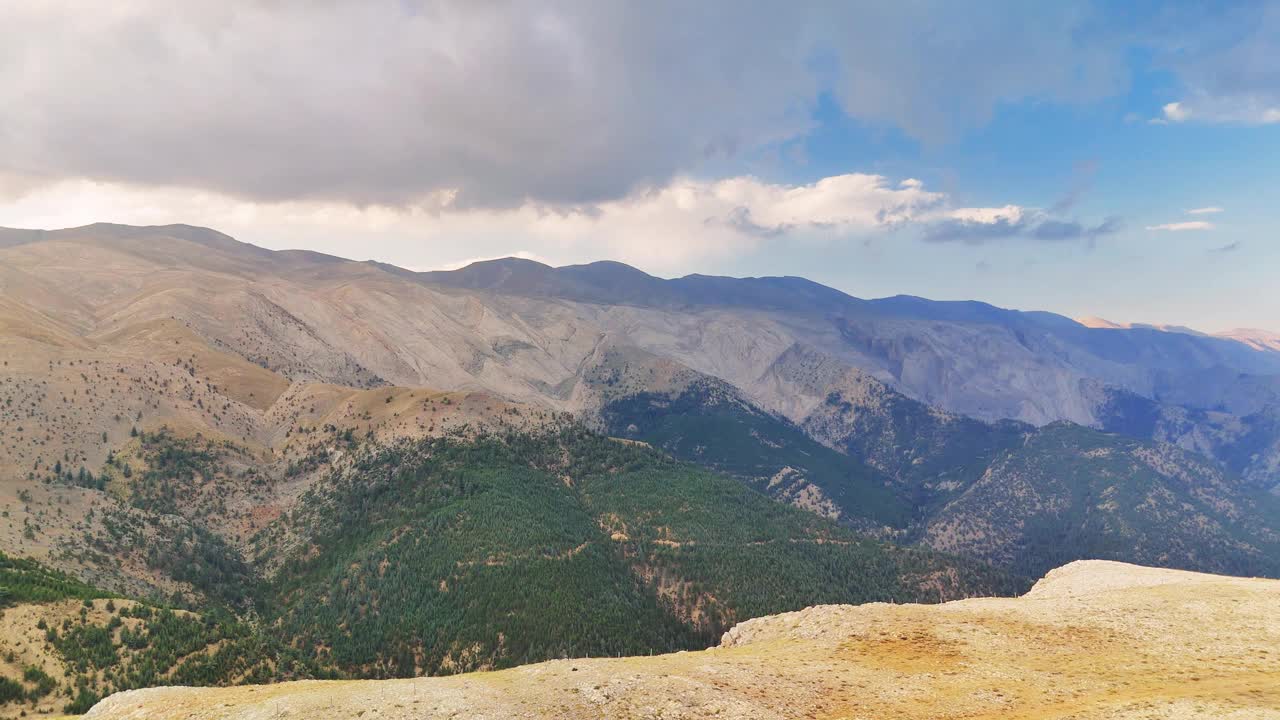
[1093,639]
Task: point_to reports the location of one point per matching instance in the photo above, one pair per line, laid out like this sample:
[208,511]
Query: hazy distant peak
[512,263]
[1095,322]
[180,231]
[115,232]
[513,275]
[10,237]
[1257,339]
[1253,338]
[608,266]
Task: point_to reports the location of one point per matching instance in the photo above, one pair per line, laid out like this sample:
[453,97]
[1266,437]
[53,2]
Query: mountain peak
[612,266]
[117,232]
[510,262]
[510,274]
[1264,340]
[1098,323]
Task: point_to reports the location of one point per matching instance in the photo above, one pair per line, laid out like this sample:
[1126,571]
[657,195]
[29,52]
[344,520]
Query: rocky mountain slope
[524,330]
[1092,640]
[113,330]
[1022,497]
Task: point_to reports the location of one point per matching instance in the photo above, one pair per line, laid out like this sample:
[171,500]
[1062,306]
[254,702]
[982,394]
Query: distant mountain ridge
[612,282]
[1263,340]
[615,283]
[532,333]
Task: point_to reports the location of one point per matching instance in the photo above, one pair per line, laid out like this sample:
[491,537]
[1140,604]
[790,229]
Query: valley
[591,360]
[226,465]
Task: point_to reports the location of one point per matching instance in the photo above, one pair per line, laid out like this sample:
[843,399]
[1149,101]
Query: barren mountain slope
[525,330]
[1092,640]
[111,328]
[138,299]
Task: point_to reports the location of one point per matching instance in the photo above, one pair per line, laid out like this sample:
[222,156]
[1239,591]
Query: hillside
[371,556]
[441,556]
[1092,640]
[1023,498]
[65,644]
[816,398]
[1068,492]
[711,424]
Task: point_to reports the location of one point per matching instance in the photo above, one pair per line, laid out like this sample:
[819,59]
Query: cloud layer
[666,230]
[1225,57]
[498,104]
[1182,226]
[976,226]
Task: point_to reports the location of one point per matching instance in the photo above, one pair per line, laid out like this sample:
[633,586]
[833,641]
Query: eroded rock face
[1092,640]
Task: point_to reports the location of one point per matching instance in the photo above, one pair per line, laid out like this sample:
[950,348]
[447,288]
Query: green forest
[710,425]
[442,556]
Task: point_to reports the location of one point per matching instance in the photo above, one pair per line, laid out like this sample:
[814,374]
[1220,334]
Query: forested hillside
[439,556]
[432,556]
[1025,499]
[1069,492]
[712,425]
[65,644]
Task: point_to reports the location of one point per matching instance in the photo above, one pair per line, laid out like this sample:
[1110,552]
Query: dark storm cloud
[502,102]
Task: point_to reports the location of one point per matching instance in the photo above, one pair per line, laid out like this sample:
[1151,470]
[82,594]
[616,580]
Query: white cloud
[976,226]
[1213,209]
[1183,226]
[669,229]
[989,216]
[1225,60]
[1227,111]
[1176,112]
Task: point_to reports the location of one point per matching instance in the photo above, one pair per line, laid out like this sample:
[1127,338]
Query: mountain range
[364,461]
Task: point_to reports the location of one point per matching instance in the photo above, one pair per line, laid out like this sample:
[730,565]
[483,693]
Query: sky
[1093,159]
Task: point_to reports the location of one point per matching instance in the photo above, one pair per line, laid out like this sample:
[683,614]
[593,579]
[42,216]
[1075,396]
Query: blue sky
[1033,155]
[1107,159]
